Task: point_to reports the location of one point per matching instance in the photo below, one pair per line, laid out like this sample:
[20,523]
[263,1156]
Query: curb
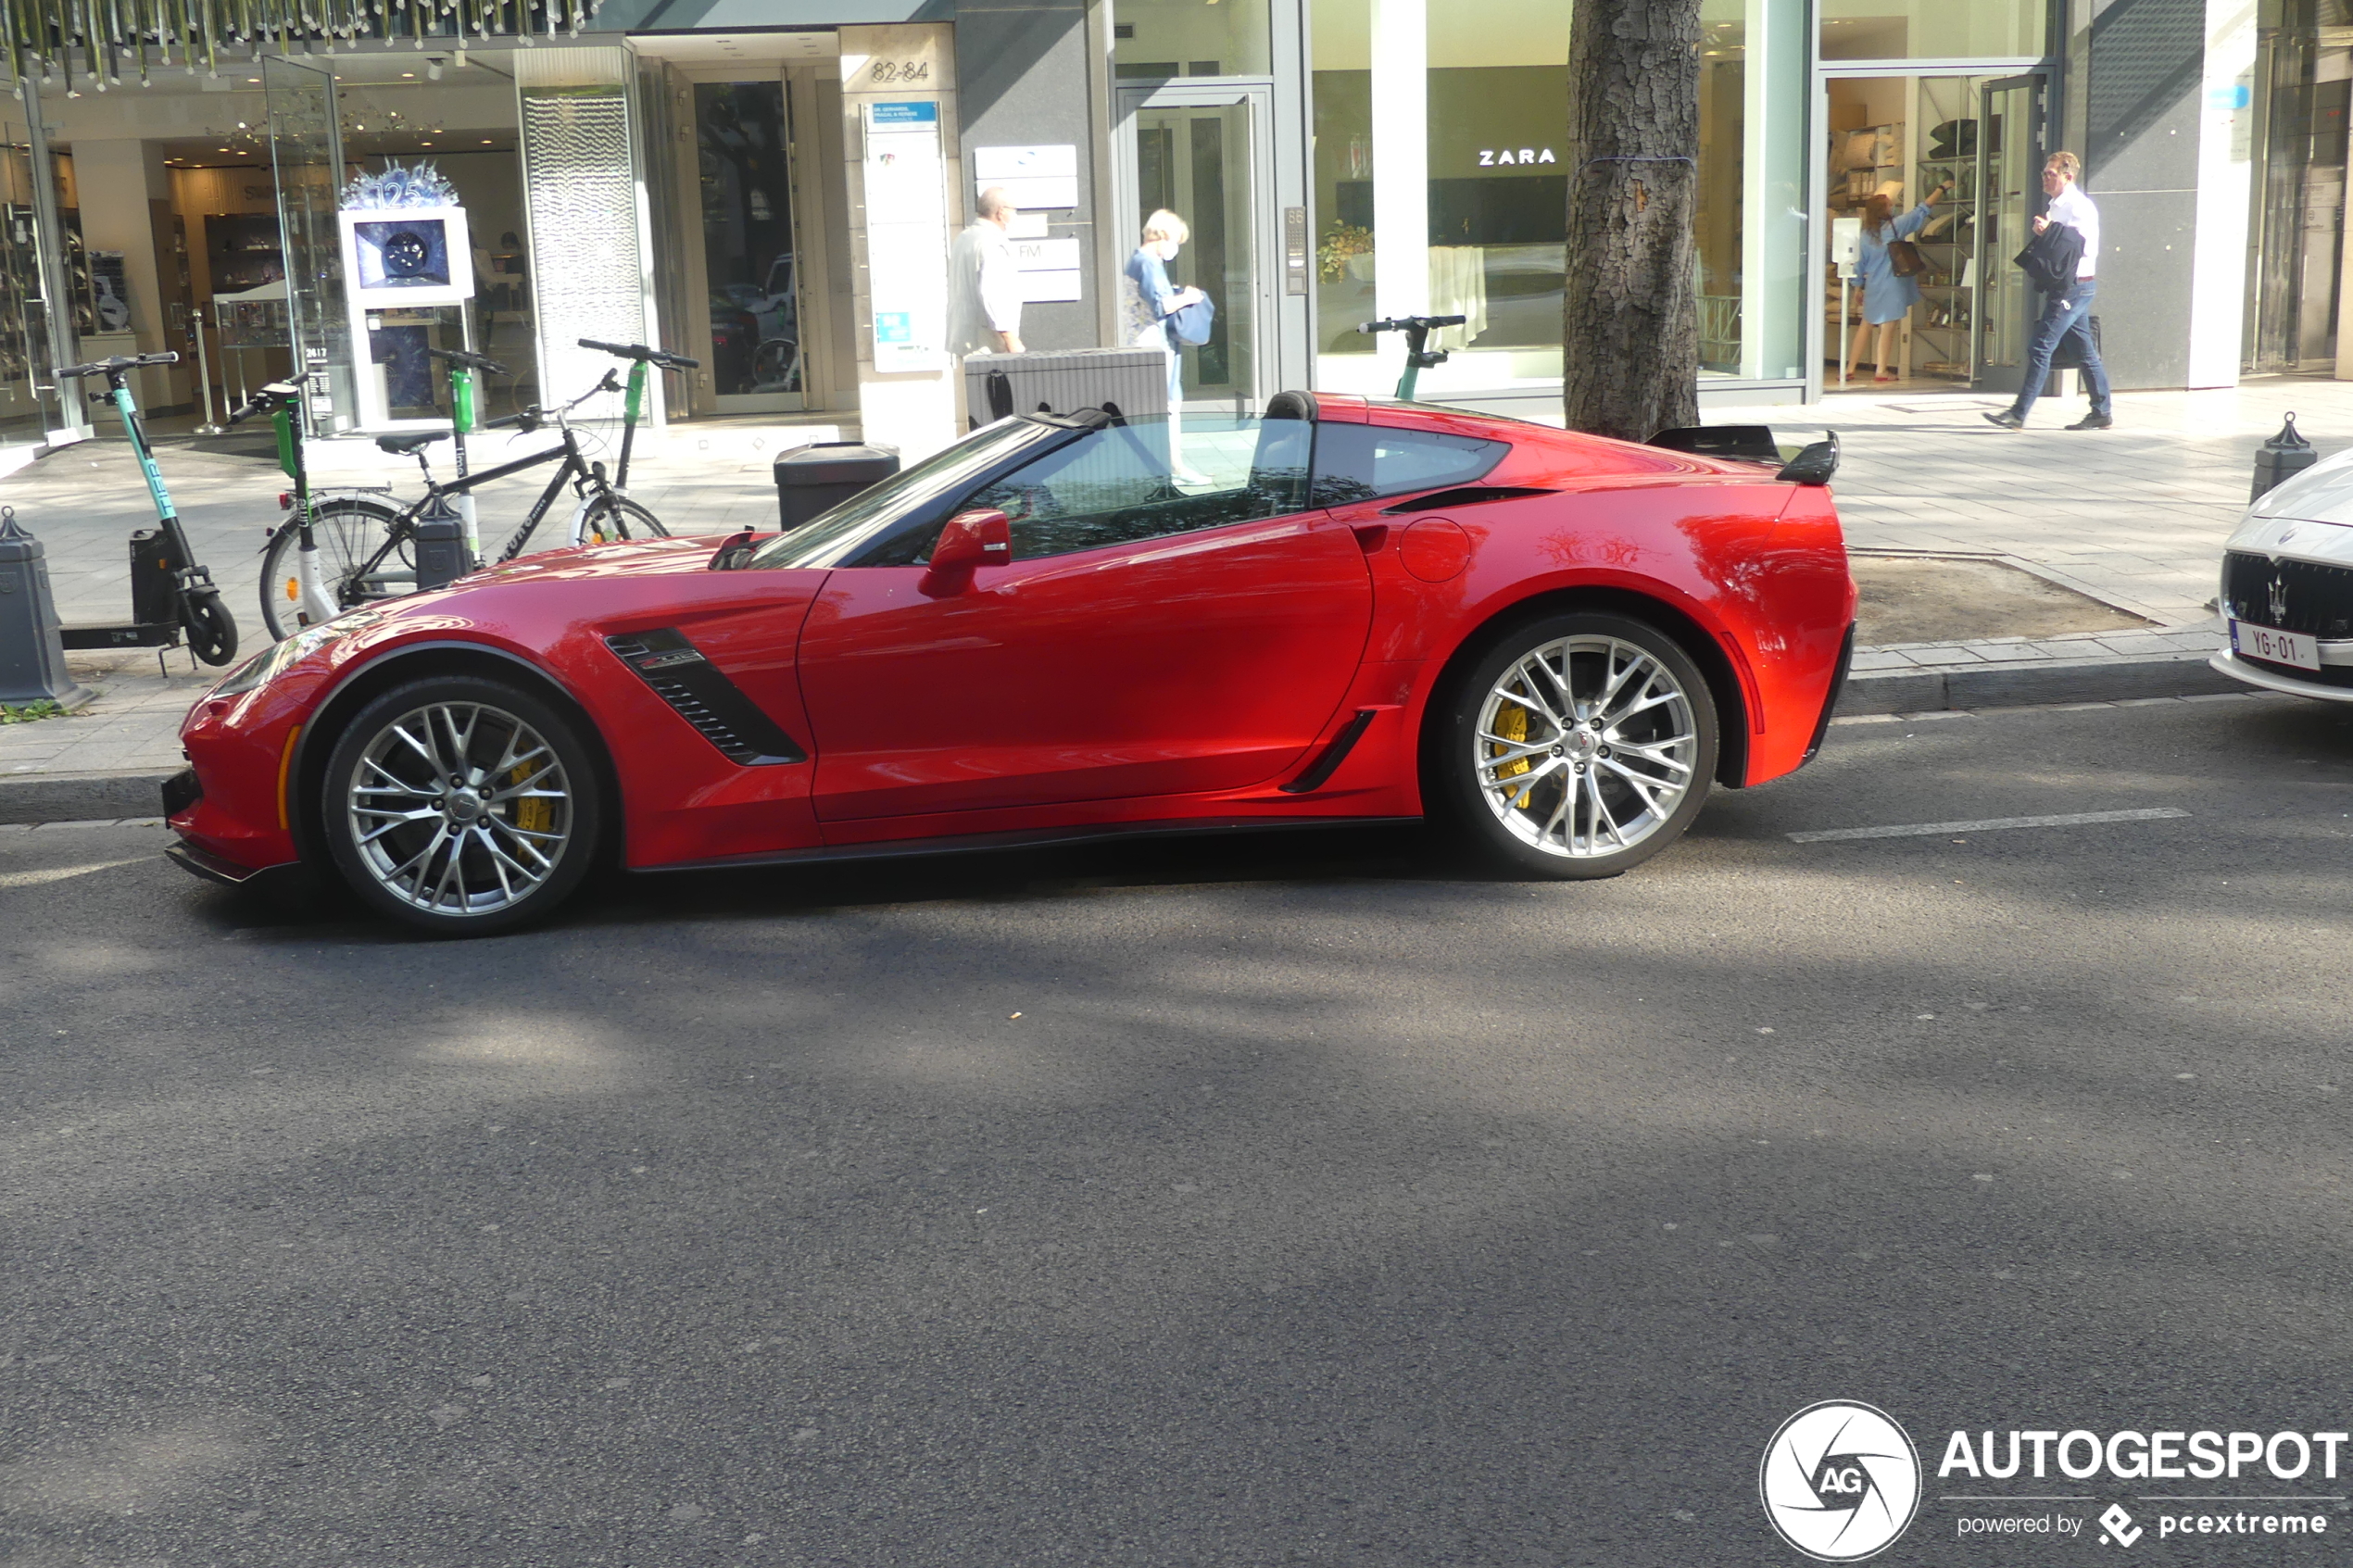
[73,797]
[2028,684]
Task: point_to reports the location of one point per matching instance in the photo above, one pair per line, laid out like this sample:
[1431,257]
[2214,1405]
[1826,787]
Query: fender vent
[703,697]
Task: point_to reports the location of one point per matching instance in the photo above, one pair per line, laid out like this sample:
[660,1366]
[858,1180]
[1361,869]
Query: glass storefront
[1440,189]
[1933,30]
[2303,78]
[1157,40]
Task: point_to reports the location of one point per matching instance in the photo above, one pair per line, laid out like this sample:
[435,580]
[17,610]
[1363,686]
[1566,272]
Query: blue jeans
[2062,314]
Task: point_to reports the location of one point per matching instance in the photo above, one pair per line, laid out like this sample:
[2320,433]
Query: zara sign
[1490,157]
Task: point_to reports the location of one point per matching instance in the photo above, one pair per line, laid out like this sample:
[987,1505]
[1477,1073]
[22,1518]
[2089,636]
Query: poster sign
[1049,269]
[906,235]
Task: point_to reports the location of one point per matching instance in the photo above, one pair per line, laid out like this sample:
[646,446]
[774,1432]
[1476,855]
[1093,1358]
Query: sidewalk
[2133,516]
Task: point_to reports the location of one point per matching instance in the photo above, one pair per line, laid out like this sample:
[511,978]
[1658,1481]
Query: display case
[242,250]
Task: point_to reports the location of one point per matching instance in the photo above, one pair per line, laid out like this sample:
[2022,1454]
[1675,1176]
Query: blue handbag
[1192,321]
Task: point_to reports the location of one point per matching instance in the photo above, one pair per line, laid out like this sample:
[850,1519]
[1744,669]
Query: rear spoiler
[1755,444]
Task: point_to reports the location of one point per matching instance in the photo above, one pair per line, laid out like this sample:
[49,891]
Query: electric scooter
[282,401]
[1418,357]
[169,591]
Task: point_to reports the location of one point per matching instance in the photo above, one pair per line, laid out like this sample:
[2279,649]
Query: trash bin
[821,476]
[1135,381]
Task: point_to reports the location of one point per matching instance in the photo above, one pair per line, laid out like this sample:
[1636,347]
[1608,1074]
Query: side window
[1361,462]
[1117,486]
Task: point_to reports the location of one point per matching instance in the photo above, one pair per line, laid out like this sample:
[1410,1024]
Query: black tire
[349,528]
[212,631]
[546,823]
[1519,792]
[610,518]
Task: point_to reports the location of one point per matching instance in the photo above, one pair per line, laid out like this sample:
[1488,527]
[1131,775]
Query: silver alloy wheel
[459,809]
[1585,746]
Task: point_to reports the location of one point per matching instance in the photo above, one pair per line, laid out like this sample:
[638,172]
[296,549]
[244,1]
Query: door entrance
[1972,148]
[305,149]
[743,134]
[1205,154]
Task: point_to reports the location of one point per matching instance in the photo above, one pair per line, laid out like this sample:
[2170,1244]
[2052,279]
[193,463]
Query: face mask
[1173,250]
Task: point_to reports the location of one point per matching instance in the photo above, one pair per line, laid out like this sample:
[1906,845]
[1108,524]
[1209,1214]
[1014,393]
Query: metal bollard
[2282,459]
[33,659]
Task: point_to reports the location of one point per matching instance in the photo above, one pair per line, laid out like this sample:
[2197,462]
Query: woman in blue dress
[1887,298]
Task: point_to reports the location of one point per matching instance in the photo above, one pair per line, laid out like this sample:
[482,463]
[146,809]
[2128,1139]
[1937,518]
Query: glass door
[743,144]
[30,407]
[1203,154]
[305,149]
[2009,194]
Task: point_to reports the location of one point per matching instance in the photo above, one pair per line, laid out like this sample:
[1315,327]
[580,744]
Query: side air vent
[1462,495]
[715,705]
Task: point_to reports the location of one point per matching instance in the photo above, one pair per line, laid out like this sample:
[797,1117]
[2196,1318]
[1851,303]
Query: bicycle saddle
[408,445]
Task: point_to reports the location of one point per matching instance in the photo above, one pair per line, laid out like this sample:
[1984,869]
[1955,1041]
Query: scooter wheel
[212,632]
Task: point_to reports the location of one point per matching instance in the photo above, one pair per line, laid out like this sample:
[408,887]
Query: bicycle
[191,599]
[304,592]
[366,545]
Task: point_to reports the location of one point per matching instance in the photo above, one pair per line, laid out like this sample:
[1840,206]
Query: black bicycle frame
[573,468]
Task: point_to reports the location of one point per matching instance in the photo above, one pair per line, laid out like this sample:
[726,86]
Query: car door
[1147,638]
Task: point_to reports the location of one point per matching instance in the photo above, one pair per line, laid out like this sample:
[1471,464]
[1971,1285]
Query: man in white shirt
[2069,312]
[984,283]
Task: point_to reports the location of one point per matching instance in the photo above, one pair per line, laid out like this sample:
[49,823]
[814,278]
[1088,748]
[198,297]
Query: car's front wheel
[462,804]
[1580,746]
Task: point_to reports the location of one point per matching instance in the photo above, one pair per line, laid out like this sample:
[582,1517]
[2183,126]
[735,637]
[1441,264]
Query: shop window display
[1452,199]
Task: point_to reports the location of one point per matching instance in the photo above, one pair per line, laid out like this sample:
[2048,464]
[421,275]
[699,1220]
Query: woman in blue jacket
[1887,298]
[1152,303]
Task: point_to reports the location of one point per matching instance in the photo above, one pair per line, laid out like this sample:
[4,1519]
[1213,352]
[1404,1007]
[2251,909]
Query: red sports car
[1369,612]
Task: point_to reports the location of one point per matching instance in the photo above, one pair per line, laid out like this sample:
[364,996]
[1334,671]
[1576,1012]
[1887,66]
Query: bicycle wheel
[349,528]
[212,632]
[610,518]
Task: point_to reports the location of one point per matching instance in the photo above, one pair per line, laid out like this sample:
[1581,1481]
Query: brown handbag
[1903,259]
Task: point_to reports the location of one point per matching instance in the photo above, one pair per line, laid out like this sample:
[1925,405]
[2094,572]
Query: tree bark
[1631,328]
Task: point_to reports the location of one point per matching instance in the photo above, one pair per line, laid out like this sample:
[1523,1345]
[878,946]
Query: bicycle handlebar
[469,361]
[1407,324]
[117,365]
[530,419]
[639,351]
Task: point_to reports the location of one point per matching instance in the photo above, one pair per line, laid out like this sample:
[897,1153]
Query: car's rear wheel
[1580,746]
[462,804]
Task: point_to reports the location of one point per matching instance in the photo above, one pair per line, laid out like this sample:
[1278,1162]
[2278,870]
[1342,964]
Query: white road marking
[61,873]
[1929,829]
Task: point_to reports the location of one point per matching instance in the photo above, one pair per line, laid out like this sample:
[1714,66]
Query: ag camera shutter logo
[1840,1481]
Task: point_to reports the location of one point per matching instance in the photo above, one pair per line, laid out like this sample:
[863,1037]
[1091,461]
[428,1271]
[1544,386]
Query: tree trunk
[1632,327]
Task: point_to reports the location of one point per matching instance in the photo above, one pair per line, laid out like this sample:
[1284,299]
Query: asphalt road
[1277,1199]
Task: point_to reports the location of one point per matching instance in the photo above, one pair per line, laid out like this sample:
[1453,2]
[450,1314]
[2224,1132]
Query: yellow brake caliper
[533,813]
[1511,723]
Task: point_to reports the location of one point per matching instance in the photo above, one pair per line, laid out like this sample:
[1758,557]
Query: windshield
[828,538]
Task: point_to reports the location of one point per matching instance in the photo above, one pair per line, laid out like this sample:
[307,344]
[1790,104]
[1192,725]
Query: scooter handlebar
[639,351]
[1406,323]
[471,361]
[115,366]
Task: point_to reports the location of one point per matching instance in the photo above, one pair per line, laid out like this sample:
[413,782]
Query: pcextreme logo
[1840,1481]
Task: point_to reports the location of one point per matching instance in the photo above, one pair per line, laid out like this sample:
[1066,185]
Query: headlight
[265,665]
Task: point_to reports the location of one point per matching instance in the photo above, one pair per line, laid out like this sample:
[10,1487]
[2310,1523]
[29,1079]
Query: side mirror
[969,541]
[1813,465]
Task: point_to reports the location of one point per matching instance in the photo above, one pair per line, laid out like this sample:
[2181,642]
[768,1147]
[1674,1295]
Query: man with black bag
[2060,261]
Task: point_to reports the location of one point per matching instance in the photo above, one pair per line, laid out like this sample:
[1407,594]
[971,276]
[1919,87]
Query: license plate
[2275,646]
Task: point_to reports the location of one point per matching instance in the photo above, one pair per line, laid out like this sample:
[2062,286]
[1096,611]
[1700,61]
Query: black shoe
[2095,422]
[2007,419]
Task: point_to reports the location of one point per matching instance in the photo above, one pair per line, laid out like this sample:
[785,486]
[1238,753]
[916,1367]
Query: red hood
[635,558]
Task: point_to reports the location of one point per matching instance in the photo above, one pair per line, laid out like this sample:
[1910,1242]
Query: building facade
[771,186]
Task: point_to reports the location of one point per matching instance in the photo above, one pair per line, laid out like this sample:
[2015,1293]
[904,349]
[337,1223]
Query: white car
[2287,587]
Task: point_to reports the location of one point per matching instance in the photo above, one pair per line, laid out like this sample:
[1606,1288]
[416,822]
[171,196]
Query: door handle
[1370,536]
